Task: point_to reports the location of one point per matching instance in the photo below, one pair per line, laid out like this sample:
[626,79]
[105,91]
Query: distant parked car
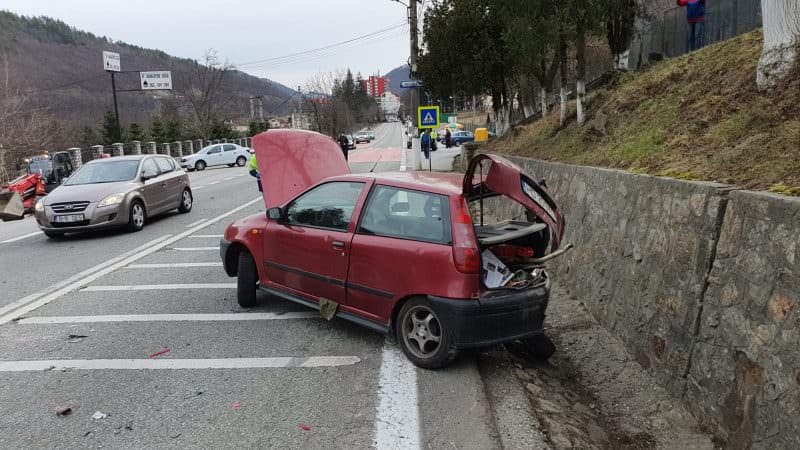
[124,191]
[459,137]
[362,137]
[351,142]
[217,155]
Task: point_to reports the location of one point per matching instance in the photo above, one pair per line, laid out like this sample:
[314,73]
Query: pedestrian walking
[252,166]
[696,20]
[447,137]
[425,143]
[345,145]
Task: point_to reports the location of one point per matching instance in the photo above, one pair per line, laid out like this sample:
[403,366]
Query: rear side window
[229,147]
[407,214]
[165,165]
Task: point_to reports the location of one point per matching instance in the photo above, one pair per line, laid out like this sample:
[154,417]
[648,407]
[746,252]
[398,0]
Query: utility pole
[116,108]
[252,109]
[412,21]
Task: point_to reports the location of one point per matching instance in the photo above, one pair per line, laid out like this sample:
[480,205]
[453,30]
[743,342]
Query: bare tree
[781,41]
[205,91]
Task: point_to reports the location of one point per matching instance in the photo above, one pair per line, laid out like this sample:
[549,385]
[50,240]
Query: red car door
[307,251]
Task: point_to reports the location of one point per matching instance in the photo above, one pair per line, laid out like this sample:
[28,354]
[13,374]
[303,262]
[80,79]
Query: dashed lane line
[173,265]
[39,299]
[229,317]
[200,236]
[19,238]
[158,287]
[193,249]
[167,363]
[397,424]
[194,188]
[195,223]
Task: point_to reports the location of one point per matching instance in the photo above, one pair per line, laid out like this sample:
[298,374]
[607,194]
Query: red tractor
[43,173]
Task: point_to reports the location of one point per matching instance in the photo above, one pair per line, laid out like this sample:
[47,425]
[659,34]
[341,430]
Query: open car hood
[291,161]
[492,175]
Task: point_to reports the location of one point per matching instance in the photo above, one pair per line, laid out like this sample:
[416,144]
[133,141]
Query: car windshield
[105,172]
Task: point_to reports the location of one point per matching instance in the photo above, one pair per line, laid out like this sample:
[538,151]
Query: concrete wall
[700,280]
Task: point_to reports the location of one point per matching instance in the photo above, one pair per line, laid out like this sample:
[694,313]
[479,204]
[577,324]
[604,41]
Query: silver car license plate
[68,218]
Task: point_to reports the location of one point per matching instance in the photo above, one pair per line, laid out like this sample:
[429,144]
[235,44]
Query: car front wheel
[200,165]
[247,280]
[136,217]
[424,336]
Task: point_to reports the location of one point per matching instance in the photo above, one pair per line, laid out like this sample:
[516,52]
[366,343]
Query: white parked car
[217,155]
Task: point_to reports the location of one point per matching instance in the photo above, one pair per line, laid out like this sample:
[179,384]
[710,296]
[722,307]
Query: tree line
[338,103]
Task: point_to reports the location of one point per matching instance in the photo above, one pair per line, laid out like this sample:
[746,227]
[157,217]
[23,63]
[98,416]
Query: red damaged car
[401,253]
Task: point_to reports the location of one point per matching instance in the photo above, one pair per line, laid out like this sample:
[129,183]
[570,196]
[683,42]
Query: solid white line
[173,265]
[193,249]
[31,302]
[397,423]
[213,183]
[167,363]
[199,236]
[194,188]
[170,318]
[158,287]
[19,238]
[198,222]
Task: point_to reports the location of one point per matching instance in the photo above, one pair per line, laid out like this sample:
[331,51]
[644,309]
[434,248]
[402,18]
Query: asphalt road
[142,331]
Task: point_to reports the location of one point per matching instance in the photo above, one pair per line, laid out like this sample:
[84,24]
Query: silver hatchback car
[115,192]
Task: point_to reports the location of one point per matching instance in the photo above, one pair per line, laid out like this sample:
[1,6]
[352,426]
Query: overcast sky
[245,31]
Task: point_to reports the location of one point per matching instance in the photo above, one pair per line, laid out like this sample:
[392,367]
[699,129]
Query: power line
[337,44]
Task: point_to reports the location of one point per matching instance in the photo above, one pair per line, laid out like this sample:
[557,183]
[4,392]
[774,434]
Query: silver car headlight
[113,199]
[39,206]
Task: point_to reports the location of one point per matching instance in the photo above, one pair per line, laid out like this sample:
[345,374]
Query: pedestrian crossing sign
[428,117]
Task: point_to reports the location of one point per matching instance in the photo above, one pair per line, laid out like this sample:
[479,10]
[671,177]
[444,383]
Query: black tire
[186,203]
[247,280]
[136,216]
[418,325]
[53,234]
[240,161]
[539,346]
[200,165]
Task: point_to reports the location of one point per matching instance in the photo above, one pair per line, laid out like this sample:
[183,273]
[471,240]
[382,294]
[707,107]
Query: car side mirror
[275,213]
[147,176]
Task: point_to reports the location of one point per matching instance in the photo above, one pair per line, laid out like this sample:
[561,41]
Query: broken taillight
[465,246]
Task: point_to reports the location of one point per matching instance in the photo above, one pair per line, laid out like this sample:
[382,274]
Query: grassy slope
[698,116]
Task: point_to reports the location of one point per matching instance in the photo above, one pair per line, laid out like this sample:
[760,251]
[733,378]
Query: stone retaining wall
[700,280]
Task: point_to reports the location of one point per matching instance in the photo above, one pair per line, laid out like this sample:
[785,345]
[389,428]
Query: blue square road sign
[428,117]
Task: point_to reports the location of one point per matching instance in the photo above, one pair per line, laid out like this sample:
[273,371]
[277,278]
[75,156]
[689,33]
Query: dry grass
[698,116]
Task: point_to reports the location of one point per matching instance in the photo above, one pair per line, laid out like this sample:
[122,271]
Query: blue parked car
[459,137]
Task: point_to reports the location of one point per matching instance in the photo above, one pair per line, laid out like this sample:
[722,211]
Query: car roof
[436,182]
[121,158]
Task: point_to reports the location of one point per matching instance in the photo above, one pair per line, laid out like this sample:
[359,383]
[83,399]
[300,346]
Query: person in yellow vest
[434,138]
[252,166]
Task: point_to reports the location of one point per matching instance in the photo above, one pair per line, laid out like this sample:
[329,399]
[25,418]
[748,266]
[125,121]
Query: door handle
[338,244]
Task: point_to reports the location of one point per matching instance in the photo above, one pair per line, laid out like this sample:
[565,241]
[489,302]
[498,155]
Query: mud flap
[327,308]
[11,206]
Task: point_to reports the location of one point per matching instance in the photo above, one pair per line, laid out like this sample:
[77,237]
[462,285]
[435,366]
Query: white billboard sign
[156,80]
[111,61]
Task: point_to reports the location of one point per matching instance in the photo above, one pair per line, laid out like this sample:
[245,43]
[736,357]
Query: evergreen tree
[88,137]
[135,132]
[108,128]
[256,127]
[157,132]
[173,130]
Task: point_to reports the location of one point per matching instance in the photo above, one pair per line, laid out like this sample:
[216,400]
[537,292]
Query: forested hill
[62,68]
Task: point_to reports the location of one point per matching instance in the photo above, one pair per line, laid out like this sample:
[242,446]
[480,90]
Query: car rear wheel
[424,336]
[186,201]
[200,165]
[136,217]
[247,280]
[241,161]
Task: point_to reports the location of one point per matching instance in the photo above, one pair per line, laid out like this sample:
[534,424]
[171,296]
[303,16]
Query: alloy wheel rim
[138,215]
[187,199]
[422,332]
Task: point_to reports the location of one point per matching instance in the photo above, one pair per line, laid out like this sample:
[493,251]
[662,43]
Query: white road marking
[158,287]
[193,249]
[194,188]
[195,223]
[227,179]
[39,299]
[173,265]
[167,363]
[198,236]
[397,423]
[19,238]
[213,183]
[170,318]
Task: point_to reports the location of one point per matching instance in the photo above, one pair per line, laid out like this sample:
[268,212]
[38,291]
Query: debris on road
[304,427]
[160,352]
[75,338]
[98,415]
[235,406]
[327,308]
[176,436]
[63,411]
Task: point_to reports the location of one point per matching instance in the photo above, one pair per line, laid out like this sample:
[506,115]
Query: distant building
[375,85]
[389,104]
[275,123]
